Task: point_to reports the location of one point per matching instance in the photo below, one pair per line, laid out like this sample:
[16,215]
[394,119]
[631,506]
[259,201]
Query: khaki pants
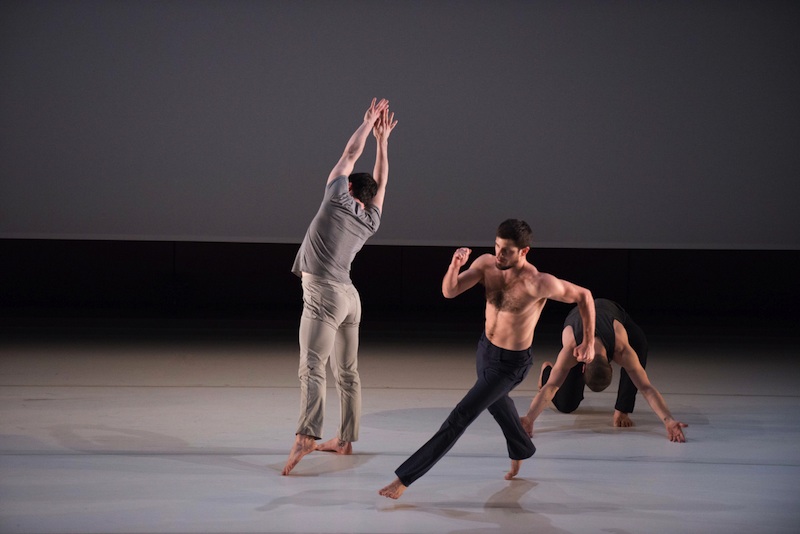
[329,327]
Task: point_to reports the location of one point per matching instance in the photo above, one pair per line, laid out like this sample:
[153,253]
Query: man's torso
[512,305]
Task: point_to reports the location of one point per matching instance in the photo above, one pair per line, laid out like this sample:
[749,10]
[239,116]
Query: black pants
[499,371]
[570,394]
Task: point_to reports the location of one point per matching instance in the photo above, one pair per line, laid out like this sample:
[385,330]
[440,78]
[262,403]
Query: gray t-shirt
[336,234]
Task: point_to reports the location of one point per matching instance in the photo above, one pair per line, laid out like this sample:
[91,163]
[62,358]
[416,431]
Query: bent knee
[567,408]
[349,384]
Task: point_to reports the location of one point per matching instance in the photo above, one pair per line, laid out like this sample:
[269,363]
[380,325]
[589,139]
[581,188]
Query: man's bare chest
[512,298]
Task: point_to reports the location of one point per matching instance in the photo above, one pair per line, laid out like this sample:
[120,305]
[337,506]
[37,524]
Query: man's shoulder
[539,285]
[531,274]
[337,182]
[482,262]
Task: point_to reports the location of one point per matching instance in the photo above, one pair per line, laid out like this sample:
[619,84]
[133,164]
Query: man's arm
[565,361]
[454,282]
[627,359]
[355,145]
[383,127]
[556,289]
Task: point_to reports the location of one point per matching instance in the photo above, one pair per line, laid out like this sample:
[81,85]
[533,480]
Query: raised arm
[355,145]
[456,282]
[383,127]
[627,359]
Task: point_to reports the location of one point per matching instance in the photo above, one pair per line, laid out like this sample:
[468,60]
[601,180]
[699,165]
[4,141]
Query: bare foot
[545,365]
[336,445]
[514,471]
[393,490]
[302,446]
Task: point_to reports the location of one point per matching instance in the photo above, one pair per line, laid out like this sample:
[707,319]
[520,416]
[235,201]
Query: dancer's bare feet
[393,490]
[302,446]
[514,471]
[336,445]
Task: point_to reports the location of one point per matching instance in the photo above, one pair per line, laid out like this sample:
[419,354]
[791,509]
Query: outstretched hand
[375,110]
[384,125]
[675,430]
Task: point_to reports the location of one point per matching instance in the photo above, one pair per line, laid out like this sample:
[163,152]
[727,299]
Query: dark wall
[253,280]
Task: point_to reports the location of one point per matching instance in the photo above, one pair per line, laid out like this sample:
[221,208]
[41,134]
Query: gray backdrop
[604,124]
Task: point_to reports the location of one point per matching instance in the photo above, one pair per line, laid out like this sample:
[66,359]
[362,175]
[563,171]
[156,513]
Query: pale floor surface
[135,432]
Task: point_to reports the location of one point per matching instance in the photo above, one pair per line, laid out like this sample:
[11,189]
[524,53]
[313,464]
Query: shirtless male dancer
[516,292]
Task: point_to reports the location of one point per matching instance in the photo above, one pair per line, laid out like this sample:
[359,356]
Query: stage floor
[132,429]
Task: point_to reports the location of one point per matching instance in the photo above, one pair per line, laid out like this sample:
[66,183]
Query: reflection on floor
[141,430]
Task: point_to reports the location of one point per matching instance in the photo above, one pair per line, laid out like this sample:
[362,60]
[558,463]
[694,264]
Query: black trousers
[499,371]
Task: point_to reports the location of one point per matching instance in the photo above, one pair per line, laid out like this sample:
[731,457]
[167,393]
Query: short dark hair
[597,373]
[517,231]
[364,186]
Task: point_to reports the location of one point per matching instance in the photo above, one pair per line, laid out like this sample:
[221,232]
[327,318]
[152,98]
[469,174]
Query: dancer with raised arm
[516,292]
[350,213]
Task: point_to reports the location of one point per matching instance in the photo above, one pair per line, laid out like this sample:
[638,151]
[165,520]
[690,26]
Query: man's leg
[442,441]
[570,394]
[316,342]
[348,387]
[480,397]
[489,387]
[514,369]
[322,313]
[519,444]
[344,366]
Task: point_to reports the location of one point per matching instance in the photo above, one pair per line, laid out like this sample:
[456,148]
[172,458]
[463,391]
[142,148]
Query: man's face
[507,254]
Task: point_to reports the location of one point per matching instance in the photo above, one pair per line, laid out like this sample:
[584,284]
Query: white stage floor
[134,430]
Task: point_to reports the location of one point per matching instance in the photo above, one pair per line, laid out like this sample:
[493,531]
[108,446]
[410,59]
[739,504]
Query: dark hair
[517,231]
[597,373]
[364,186]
